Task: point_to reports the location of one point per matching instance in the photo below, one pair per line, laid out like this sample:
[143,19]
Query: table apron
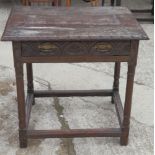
[75,48]
[74,51]
[74,59]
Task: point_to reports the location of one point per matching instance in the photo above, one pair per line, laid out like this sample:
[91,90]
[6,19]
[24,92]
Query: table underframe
[24,107]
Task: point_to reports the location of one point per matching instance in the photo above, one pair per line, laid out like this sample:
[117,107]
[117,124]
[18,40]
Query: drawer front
[115,48]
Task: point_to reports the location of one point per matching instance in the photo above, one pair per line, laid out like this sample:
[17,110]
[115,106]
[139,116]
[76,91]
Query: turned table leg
[116,78]
[30,87]
[129,90]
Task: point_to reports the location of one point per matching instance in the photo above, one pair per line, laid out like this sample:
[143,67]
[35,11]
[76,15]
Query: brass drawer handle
[47,47]
[103,47]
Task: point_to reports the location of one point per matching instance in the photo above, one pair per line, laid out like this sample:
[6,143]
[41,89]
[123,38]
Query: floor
[78,112]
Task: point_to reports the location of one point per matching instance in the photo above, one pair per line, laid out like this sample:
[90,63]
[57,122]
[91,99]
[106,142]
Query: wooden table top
[72,23]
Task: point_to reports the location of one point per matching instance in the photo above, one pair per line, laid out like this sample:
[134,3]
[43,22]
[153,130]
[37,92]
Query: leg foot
[124,140]
[22,138]
[23,143]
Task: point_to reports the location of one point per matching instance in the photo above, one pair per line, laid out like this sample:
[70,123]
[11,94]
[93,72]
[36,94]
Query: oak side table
[75,34]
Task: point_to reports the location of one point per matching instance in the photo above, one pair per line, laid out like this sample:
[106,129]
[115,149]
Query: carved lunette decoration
[60,48]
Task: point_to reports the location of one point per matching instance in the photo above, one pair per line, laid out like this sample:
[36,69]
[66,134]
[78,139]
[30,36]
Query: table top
[72,23]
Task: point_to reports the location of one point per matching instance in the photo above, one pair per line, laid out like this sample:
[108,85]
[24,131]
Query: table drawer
[30,49]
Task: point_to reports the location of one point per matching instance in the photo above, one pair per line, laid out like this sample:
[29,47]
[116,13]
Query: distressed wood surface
[103,132]
[75,48]
[74,23]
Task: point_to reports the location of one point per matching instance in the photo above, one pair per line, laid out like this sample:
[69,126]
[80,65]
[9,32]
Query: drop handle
[47,47]
[103,47]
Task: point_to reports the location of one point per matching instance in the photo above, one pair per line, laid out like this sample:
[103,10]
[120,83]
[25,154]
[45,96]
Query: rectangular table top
[72,23]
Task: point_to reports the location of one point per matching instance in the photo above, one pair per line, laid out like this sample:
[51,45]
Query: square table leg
[20,95]
[30,87]
[129,90]
[21,104]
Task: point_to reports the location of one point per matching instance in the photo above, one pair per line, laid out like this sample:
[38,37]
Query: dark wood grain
[67,93]
[20,94]
[105,132]
[64,35]
[75,48]
[71,59]
[129,90]
[73,23]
